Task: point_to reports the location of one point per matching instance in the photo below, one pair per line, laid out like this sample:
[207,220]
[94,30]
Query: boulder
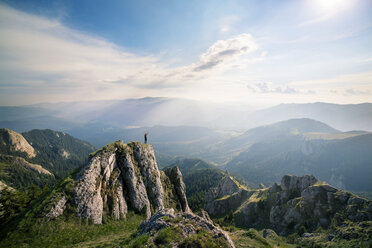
[186,224]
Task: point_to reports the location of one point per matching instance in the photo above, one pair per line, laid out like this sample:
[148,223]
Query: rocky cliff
[122,177]
[227,196]
[298,202]
[16,142]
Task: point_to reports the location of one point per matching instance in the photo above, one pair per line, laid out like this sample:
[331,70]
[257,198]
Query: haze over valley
[186,123]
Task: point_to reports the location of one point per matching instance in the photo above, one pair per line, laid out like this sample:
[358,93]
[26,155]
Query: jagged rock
[187,223]
[120,207]
[156,222]
[175,177]
[204,214]
[134,185]
[58,208]
[226,186]
[289,182]
[144,155]
[122,177]
[275,188]
[226,197]
[87,192]
[119,175]
[297,202]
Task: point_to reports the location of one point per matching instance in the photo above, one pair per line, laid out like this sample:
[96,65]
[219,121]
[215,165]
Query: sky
[258,53]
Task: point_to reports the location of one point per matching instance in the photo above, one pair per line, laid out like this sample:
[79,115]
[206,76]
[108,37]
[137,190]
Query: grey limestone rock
[144,154]
[87,192]
[204,214]
[58,208]
[188,224]
[175,176]
[226,197]
[120,207]
[122,177]
[136,189]
[297,202]
[288,182]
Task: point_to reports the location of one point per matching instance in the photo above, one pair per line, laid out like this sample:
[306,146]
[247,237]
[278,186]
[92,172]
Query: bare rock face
[17,142]
[133,183]
[186,225]
[122,177]
[175,176]
[288,182]
[91,183]
[58,208]
[226,197]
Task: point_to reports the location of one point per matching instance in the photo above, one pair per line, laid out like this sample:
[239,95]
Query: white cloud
[42,57]
[225,50]
[357,92]
[269,87]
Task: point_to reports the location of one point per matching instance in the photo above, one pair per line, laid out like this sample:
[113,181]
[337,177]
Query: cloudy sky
[260,53]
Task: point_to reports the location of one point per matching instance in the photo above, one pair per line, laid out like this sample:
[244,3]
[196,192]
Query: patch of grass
[73,232]
[166,236]
[111,147]
[203,239]
[138,242]
[351,235]
[252,238]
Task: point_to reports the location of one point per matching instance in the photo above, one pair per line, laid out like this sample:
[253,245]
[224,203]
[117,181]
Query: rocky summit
[297,203]
[118,178]
[125,177]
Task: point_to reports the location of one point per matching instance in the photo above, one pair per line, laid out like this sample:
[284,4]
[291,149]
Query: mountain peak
[118,178]
[16,142]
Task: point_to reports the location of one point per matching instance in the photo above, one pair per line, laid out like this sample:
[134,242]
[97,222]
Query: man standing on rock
[145,135]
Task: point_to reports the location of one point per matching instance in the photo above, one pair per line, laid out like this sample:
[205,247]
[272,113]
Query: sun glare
[330,6]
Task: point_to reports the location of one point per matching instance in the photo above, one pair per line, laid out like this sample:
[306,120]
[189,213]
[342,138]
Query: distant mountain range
[304,146]
[148,112]
[260,145]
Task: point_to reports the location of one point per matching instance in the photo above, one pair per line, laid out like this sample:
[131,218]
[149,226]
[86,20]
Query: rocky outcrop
[57,209]
[185,226]
[298,202]
[175,177]
[92,187]
[226,197]
[122,177]
[289,182]
[16,142]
